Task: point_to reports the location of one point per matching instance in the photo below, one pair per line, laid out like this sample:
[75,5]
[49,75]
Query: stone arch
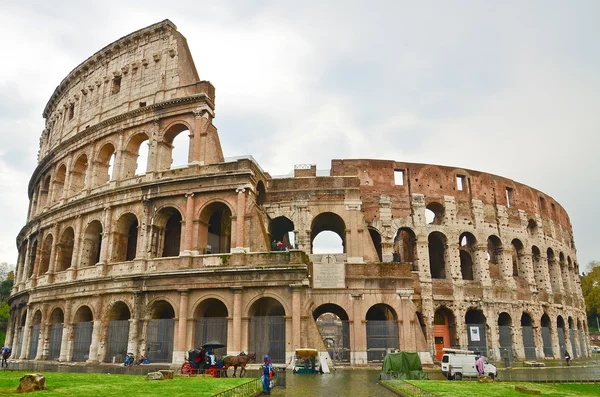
[166,232]
[32,256]
[494,249]
[328,222]
[65,249]
[58,185]
[56,321]
[437,255]
[333,323]
[117,332]
[267,328]
[532,227]
[376,239]
[552,270]
[45,254]
[169,152]
[91,244]
[210,316]
[517,257]
[434,213]
[261,193]
[44,192]
[104,165]
[125,238]
[281,229]
[505,337]
[467,250]
[560,330]
[130,163]
[78,174]
[405,242]
[444,330]
[476,324]
[160,331]
[214,235]
[546,335]
[82,333]
[528,336]
[382,331]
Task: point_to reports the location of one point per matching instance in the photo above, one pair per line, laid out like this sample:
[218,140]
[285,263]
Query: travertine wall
[182,244]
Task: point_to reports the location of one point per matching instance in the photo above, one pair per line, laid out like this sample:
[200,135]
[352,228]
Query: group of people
[5,353]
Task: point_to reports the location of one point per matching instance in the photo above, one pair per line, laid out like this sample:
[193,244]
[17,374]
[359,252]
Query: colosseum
[124,252]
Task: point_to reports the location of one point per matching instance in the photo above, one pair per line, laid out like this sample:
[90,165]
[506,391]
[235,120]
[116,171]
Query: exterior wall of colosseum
[155,261]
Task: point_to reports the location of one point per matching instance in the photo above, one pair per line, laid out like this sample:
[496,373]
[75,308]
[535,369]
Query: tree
[590,286]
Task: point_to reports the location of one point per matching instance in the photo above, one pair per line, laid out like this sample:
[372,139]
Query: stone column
[236,331]
[296,315]
[188,233]
[452,258]
[26,334]
[106,233]
[98,325]
[42,349]
[180,348]
[132,339]
[358,341]
[240,235]
[65,346]
[72,271]
[198,137]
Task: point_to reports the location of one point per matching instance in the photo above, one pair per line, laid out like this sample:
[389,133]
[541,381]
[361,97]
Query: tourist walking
[568,358]
[267,375]
[479,365]
[5,353]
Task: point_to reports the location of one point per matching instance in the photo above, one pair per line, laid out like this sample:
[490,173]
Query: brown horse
[238,361]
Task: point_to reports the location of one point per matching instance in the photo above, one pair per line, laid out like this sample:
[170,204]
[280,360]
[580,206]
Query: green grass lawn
[503,389]
[69,384]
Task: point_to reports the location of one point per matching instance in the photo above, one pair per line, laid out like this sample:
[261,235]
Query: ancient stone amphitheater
[122,252]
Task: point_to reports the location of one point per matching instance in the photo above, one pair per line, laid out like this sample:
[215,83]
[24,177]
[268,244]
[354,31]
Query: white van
[459,365]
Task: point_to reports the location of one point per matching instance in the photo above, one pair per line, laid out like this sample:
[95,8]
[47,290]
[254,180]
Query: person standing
[568,358]
[479,365]
[267,375]
[5,353]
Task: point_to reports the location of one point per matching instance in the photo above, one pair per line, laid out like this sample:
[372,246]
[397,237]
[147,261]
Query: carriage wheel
[187,369]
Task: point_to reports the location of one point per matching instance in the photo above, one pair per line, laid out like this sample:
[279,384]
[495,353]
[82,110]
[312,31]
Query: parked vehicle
[595,349]
[458,364]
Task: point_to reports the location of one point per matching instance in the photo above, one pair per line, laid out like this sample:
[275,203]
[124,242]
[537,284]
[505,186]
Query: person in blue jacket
[267,375]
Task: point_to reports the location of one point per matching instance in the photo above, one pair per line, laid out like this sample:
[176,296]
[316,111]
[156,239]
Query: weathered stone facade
[168,257]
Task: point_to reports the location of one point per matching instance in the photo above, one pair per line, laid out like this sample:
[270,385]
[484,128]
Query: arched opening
[261,193]
[91,244]
[467,248]
[528,338]
[582,347]
[539,269]
[434,213]
[211,324]
[65,250]
[79,174]
[282,230]
[82,334]
[59,183]
[437,255]
[215,229]
[572,339]
[117,335]
[160,332]
[532,227]
[376,239]
[267,329]
[334,327]
[476,331]
[135,157]
[34,337]
[546,337]
[32,257]
[505,334]
[21,332]
[175,148]
[517,255]
[102,167]
[45,254]
[166,233]
[494,248]
[564,273]
[44,191]
[57,319]
[405,242]
[328,243]
[382,332]
[444,331]
[552,270]
[560,329]
[125,238]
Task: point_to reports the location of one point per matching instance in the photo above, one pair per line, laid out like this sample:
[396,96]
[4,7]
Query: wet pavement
[345,382]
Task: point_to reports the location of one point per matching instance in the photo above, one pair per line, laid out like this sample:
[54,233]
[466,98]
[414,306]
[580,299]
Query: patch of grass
[107,385]
[502,389]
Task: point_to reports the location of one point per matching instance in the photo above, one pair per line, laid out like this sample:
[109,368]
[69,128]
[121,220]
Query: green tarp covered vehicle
[403,365]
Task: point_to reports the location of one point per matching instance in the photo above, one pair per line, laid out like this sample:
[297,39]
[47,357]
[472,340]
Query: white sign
[329,275]
[475,337]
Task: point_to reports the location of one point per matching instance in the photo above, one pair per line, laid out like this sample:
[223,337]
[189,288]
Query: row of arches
[112,161]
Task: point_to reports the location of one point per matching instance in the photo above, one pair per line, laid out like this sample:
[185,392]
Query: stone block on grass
[31,382]
[155,376]
[167,373]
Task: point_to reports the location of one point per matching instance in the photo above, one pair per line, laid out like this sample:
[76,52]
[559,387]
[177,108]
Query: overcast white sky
[511,87]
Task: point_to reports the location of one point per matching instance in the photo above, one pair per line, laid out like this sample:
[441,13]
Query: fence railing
[244,390]
[551,374]
[408,389]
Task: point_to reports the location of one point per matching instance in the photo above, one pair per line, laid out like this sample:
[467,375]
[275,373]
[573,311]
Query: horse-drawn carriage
[203,361]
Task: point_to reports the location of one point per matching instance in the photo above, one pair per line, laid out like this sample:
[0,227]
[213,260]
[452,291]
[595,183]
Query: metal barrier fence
[244,390]
[551,374]
[408,389]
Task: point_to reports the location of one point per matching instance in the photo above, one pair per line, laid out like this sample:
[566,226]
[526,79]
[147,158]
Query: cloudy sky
[509,87]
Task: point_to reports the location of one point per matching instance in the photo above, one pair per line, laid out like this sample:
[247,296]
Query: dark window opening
[116,85]
[509,197]
[71,111]
[142,104]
